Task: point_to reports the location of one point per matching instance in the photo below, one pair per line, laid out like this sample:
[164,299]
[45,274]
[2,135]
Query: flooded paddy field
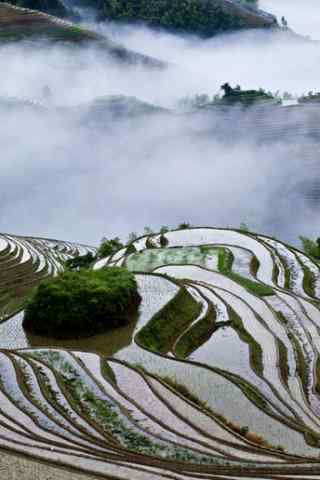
[233,387]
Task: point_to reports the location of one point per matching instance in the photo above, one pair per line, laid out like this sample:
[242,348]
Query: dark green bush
[131,249]
[79,304]
[163,240]
[311,247]
[108,247]
[150,243]
[184,226]
[82,261]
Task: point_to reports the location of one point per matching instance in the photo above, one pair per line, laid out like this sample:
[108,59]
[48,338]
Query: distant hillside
[53,7]
[24,24]
[115,107]
[201,17]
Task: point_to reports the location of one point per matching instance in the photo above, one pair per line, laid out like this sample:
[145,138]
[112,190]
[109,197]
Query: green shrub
[163,240]
[131,249]
[150,243]
[244,430]
[108,247]
[184,226]
[79,304]
[311,247]
[82,261]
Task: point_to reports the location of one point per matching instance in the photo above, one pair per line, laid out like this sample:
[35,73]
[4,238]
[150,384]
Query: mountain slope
[18,24]
[53,7]
[201,17]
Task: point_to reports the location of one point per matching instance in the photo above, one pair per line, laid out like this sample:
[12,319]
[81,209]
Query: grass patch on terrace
[308,281]
[255,350]
[166,325]
[82,303]
[197,335]
[259,289]
[150,259]
[225,260]
[301,362]
[283,361]
[225,266]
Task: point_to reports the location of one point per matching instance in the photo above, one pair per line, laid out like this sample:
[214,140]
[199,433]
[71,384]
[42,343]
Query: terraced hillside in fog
[218,377]
[23,24]
[204,18]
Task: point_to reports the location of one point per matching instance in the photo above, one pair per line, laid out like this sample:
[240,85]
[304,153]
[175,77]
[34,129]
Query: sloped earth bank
[218,377]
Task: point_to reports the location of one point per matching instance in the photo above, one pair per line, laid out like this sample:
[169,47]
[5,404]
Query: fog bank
[62,177]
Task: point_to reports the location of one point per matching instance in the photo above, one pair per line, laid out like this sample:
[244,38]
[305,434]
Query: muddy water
[13,336]
[155,293]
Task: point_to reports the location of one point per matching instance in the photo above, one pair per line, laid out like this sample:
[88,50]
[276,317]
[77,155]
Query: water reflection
[12,336]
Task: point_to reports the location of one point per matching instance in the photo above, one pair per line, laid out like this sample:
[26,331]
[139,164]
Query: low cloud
[61,177]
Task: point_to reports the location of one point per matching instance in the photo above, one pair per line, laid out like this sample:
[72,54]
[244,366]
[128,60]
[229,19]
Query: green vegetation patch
[164,327]
[81,261]
[311,247]
[301,362]
[205,18]
[283,361]
[259,289]
[244,97]
[256,356]
[84,303]
[197,335]
[150,259]
[225,266]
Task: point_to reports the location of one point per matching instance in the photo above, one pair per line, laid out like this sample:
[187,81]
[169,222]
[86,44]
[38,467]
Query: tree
[244,227]
[108,247]
[163,240]
[311,247]
[150,243]
[164,229]
[132,237]
[131,249]
[184,226]
[83,261]
[228,90]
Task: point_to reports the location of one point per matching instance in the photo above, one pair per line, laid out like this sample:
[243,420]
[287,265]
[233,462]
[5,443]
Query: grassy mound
[79,304]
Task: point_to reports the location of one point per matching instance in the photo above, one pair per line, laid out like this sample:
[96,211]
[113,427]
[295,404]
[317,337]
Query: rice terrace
[179,351]
[173,402]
